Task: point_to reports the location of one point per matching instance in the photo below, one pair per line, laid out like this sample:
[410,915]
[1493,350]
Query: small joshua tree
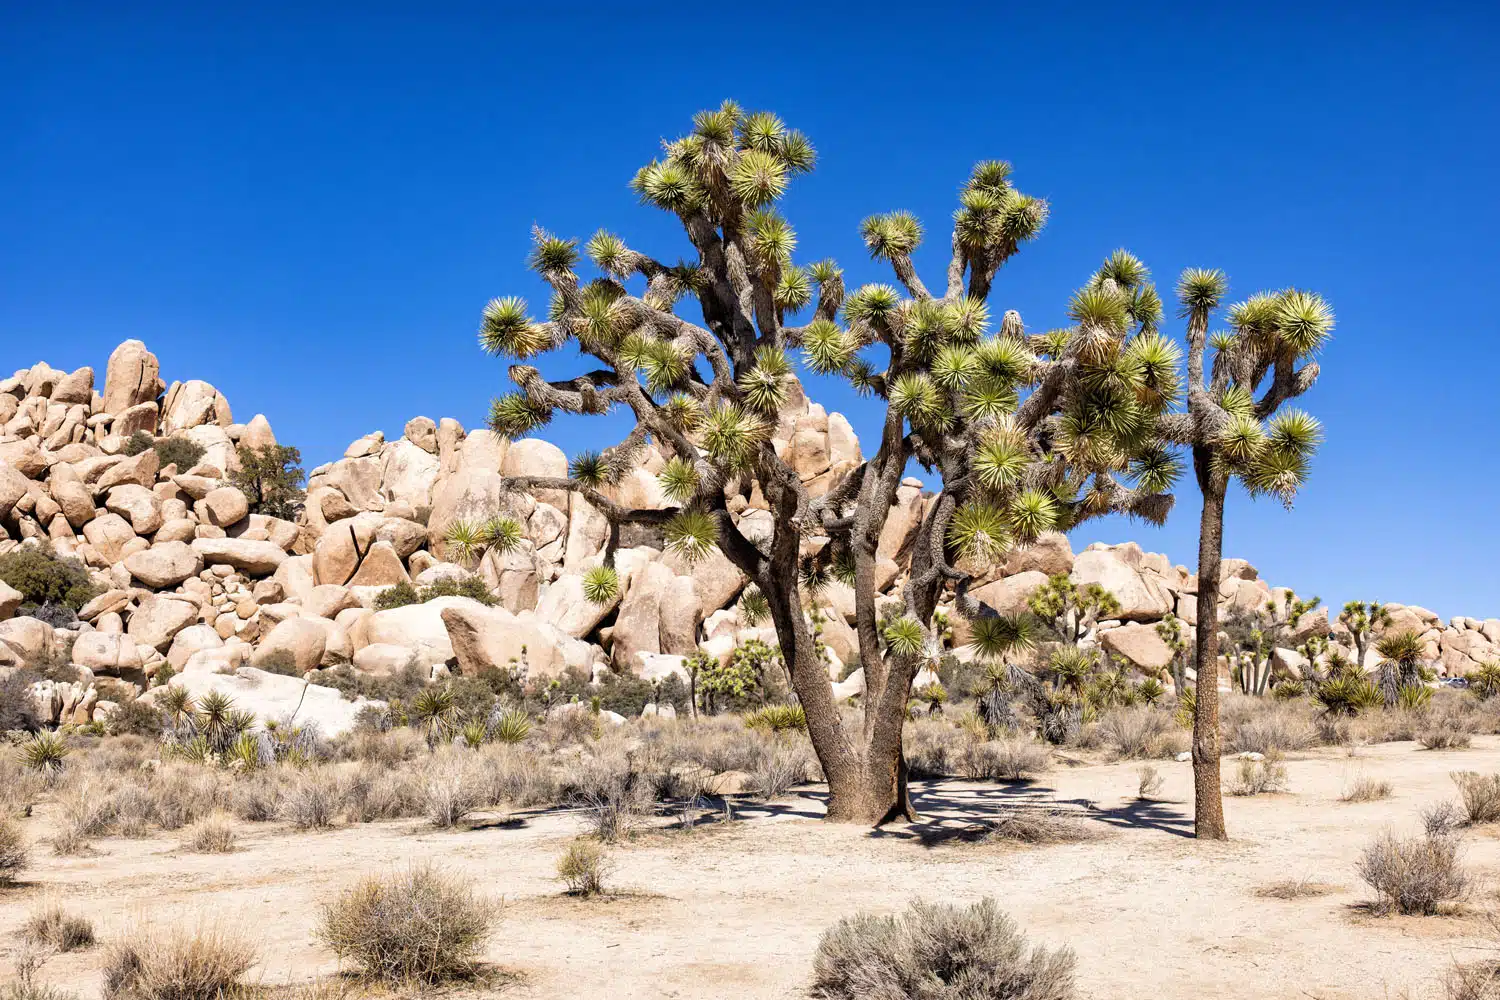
[1071,610]
[1364,620]
[1171,633]
[1257,647]
[1403,674]
[1236,427]
[1027,433]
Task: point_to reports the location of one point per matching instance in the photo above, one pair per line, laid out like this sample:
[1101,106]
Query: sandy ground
[735,910]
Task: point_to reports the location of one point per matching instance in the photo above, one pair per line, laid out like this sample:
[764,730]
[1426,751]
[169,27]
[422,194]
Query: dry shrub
[1010,759]
[372,793]
[933,747]
[1151,783]
[777,770]
[256,798]
[584,866]
[1038,826]
[1480,794]
[86,808]
[212,835]
[310,800]
[1264,726]
[52,926]
[388,749]
[517,778]
[1364,789]
[1294,888]
[1441,734]
[613,795]
[14,856]
[1257,777]
[188,961]
[134,809]
[455,786]
[420,925]
[25,986]
[1414,875]
[19,788]
[1441,819]
[184,793]
[69,843]
[1137,731]
[932,948]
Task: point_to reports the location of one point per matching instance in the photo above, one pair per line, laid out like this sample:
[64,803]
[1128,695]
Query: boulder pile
[188,577]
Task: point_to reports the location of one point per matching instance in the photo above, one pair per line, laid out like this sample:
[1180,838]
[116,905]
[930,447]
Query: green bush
[44,578]
[403,593]
[271,478]
[137,443]
[179,452]
[136,718]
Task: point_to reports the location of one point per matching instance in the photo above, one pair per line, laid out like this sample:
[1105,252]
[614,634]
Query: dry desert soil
[735,909]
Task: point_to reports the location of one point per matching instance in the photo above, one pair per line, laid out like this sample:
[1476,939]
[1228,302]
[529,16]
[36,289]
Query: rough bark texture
[1208,800]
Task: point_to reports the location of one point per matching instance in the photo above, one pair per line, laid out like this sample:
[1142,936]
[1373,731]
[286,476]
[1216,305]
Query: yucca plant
[467,541]
[1402,671]
[432,712]
[1238,383]
[45,751]
[217,720]
[1029,432]
[1484,681]
[777,718]
[511,727]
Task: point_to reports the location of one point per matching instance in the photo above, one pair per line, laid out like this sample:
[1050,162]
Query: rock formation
[189,577]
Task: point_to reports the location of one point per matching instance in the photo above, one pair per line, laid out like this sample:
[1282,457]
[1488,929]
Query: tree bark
[1208,799]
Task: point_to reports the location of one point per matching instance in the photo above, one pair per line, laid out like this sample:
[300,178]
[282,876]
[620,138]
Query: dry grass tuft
[53,927]
[1038,826]
[1366,790]
[14,856]
[212,835]
[1295,888]
[1151,783]
[1257,777]
[189,962]
[584,867]
[417,926]
[1480,794]
[1013,759]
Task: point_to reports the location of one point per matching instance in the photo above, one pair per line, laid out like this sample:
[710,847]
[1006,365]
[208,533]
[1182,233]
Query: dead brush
[1150,784]
[51,926]
[1006,759]
[1136,731]
[778,769]
[1365,789]
[15,857]
[1037,826]
[416,926]
[1294,888]
[1258,777]
[584,867]
[210,835]
[193,961]
[1480,795]
[1414,875]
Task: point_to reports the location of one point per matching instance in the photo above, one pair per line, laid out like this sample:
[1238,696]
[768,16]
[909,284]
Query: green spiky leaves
[679,480]
[979,531]
[991,637]
[872,304]
[589,468]
[758,177]
[896,234]
[514,415]
[1200,291]
[669,186]
[1281,464]
[692,534]
[917,398]
[683,412]
[1242,439]
[764,387]
[601,585]
[903,636]
[552,257]
[826,348]
[1001,460]
[609,253]
[1031,513]
[731,435]
[505,330]
[1124,269]
[754,608]
[1100,307]
[1304,321]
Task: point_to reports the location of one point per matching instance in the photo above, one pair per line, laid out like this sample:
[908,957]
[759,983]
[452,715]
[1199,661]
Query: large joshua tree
[1236,427]
[1026,433]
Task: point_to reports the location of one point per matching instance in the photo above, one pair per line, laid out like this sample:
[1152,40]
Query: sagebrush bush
[212,835]
[1137,731]
[1441,819]
[193,960]
[43,577]
[1480,794]
[777,771]
[584,866]
[1150,785]
[1364,789]
[25,985]
[1445,734]
[14,856]
[56,928]
[454,788]
[1257,725]
[1257,777]
[420,925]
[1414,875]
[1009,759]
[311,799]
[938,950]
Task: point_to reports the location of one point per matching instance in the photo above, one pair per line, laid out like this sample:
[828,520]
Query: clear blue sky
[309,209]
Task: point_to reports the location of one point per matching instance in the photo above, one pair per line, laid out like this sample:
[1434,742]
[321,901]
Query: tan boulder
[296,643]
[328,600]
[132,378]
[380,567]
[495,639]
[109,534]
[75,388]
[165,564]
[407,473]
[140,470]
[105,653]
[194,403]
[1050,554]
[1008,596]
[1139,644]
[1142,597]
[13,487]
[189,641]
[384,659]
[72,495]
[257,558]
[258,433]
[158,619]
[141,417]
[10,600]
[24,456]
[423,433]
[138,505]
[223,507]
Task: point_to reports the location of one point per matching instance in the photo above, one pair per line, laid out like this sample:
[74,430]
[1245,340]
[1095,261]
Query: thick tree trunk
[1208,799]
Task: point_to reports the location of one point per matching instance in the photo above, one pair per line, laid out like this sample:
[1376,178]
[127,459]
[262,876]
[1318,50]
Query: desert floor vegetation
[729,883]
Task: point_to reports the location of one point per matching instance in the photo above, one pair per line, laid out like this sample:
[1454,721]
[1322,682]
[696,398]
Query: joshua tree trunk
[1207,795]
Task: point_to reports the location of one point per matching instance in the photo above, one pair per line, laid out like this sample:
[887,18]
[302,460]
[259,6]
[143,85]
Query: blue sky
[308,205]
